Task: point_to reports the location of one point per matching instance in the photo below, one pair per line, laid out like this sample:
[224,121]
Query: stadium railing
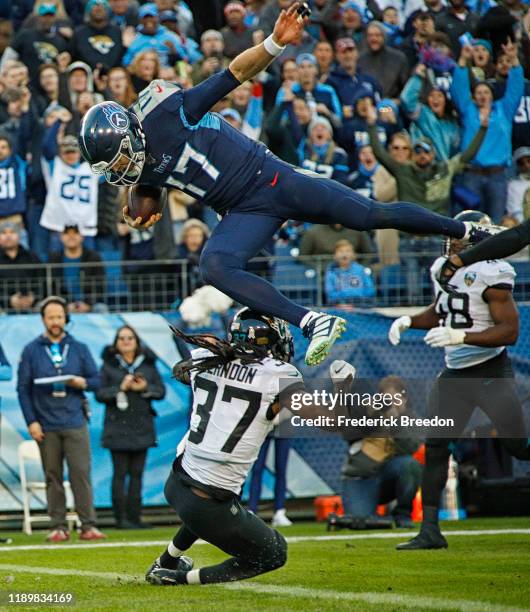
[163,284]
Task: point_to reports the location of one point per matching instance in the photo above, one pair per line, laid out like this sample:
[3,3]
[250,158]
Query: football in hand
[146,200]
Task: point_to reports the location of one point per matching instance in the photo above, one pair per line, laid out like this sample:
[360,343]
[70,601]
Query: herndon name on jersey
[461,305]
[229,422]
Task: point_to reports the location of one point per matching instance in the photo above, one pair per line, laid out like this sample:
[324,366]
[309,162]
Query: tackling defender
[236,387]
[169,138]
[479,319]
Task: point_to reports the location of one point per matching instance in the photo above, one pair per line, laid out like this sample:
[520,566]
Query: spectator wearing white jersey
[72,197]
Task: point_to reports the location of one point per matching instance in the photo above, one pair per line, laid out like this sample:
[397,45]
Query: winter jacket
[444,133]
[497,147]
[390,68]
[131,428]
[344,285]
[89,286]
[38,402]
[347,87]
[429,186]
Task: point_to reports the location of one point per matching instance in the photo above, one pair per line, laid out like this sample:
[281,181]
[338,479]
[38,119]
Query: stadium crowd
[422,100]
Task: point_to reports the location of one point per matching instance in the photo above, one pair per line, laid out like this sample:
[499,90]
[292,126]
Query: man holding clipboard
[54,371]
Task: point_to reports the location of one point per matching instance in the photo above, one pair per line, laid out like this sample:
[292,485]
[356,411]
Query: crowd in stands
[420,100]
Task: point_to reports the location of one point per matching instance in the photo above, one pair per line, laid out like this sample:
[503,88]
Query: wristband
[271,47]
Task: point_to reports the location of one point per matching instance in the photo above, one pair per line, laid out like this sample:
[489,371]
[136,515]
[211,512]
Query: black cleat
[157,574]
[424,541]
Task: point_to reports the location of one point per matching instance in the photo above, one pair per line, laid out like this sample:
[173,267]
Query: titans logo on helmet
[117,118]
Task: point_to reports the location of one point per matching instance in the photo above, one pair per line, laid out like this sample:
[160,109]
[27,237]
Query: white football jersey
[462,306]
[231,418]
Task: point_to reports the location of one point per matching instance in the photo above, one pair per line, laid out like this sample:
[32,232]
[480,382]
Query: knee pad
[279,556]
[215,266]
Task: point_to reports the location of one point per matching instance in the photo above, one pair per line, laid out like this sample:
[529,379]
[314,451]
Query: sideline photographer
[378,470]
[54,371]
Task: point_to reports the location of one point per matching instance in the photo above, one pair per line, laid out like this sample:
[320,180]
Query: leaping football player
[169,138]
[473,318]
[236,397]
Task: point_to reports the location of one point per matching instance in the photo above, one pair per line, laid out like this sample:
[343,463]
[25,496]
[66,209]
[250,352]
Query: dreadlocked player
[473,318]
[235,385]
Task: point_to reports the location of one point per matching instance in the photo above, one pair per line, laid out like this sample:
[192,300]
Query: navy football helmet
[251,327]
[455,245]
[113,143]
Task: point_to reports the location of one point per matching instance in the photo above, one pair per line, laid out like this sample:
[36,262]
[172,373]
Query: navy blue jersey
[194,150]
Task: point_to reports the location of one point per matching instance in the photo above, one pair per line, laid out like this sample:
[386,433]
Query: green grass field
[348,571]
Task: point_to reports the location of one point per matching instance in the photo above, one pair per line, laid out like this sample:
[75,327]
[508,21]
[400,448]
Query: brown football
[146,200]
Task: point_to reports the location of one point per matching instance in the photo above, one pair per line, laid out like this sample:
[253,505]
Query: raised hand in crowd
[466,55]
[371,113]
[510,50]
[63,61]
[100,80]
[421,70]
[128,35]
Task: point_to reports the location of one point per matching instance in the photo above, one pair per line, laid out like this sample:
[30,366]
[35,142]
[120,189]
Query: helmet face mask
[113,143]
[249,327]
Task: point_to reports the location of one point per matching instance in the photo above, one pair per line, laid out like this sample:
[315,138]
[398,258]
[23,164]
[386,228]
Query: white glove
[339,371]
[397,328]
[438,337]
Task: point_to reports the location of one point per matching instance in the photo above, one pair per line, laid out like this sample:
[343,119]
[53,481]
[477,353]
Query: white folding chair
[28,451]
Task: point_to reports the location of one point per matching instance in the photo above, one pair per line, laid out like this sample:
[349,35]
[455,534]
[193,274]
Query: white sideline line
[290,539]
[373,598]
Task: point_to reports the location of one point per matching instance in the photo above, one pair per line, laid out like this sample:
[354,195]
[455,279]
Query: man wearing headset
[54,371]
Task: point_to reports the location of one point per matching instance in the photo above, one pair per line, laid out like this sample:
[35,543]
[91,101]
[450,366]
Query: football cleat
[476,232]
[159,575]
[322,331]
[425,540]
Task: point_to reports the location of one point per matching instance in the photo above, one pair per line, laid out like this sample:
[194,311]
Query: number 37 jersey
[209,160]
[231,417]
[462,305]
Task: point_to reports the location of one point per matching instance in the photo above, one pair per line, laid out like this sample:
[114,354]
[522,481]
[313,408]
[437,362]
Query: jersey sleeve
[158,92]
[285,377]
[198,100]
[498,274]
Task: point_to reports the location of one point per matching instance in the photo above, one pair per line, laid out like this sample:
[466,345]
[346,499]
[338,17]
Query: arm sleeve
[514,91]
[474,146]
[381,153]
[107,392]
[49,143]
[155,387]
[460,91]
[198,100]
[24,387]
[410,96]
[497,247]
